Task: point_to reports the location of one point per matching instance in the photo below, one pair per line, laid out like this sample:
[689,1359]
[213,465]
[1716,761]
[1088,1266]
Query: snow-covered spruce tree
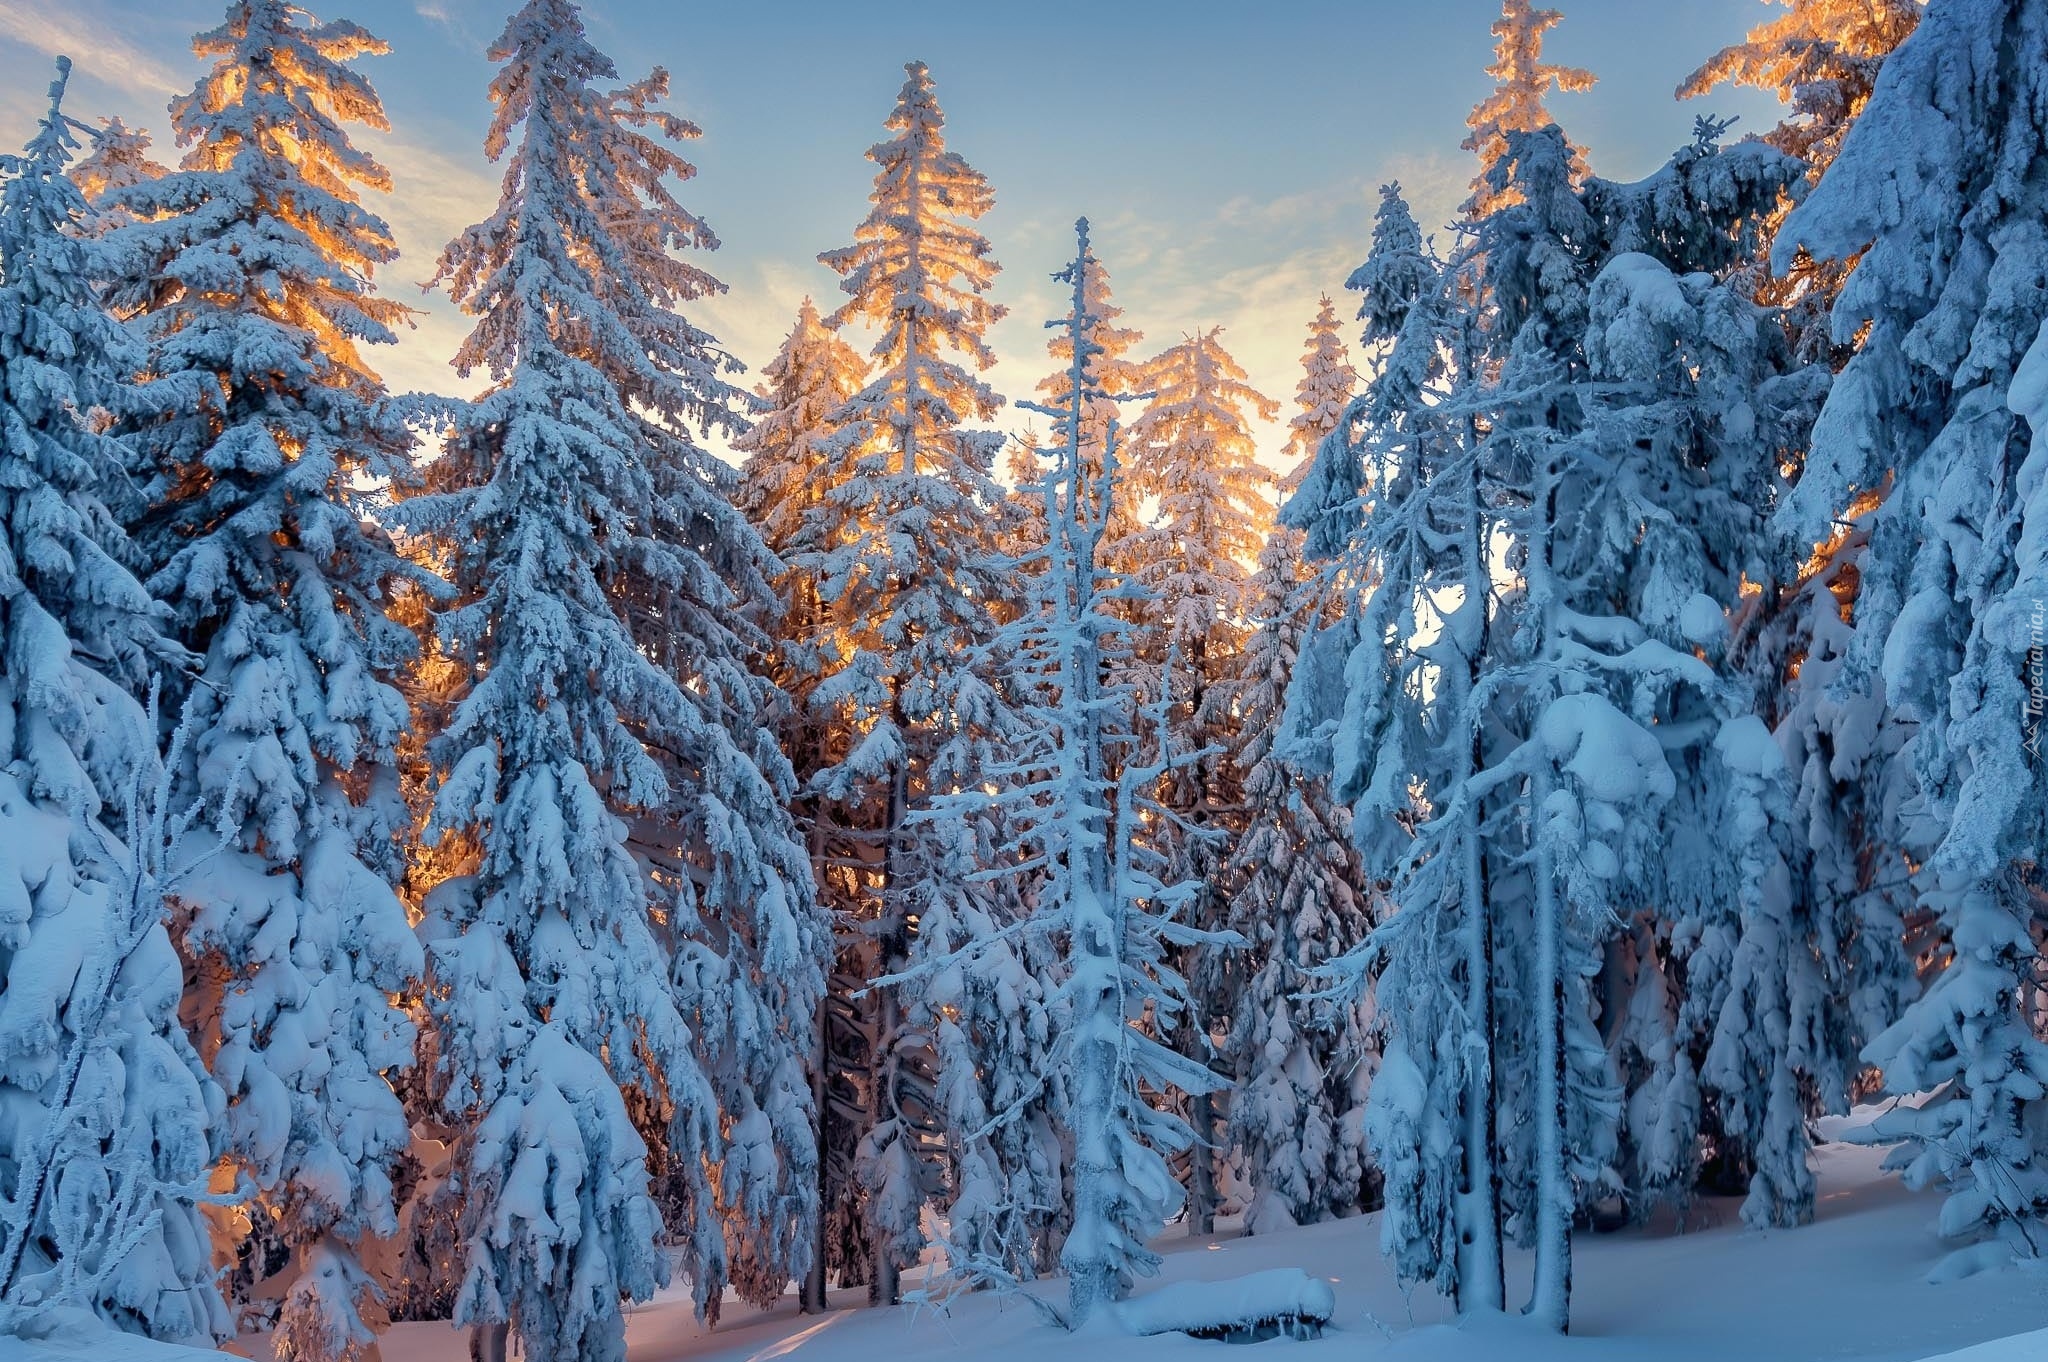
[1852,808]
[795,453]
[906,563]
[111,1117]
[739,910]
[1843,744]
[1391,701]
[1298,886]
[119,160]
[1194,458]
[1323,396]
[1846,866]
[1534,739]
[1821,60]
[980,985]
[1098,895]
[248,270]
[631,949]
[1522,79]
[1695,402]
[1937,183]
[1654,437]
[1674,442]
[1301,1064]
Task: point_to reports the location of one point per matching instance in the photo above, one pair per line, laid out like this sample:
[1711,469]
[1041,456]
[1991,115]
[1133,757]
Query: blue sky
[1227,154]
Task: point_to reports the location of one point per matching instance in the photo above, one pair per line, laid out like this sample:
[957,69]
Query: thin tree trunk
[811,1299]
[1202,1170]
[487,1342]
[887,1287]
[1482,1283]
[1550,1298]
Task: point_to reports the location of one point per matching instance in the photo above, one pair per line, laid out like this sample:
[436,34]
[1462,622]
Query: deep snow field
[1852,1286]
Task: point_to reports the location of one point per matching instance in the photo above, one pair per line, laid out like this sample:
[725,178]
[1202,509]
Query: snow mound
[1249,1309]
[66,1335]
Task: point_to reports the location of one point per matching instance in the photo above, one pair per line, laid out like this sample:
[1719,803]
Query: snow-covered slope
[1851,1286]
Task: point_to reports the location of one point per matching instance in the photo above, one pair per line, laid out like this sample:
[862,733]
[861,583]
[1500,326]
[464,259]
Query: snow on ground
[2019,1348]
[1850,1286]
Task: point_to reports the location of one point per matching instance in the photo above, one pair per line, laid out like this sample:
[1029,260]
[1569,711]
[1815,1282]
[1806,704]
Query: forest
[842,841]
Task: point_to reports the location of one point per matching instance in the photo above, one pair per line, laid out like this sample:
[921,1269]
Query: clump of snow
[1262,1305]
[1702,619]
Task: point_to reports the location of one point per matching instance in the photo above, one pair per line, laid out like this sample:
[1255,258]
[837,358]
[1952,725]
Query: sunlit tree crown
[1195,454]
[1327,382]
[918,272]
[1522,79]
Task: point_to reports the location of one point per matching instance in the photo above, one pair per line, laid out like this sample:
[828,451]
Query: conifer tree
[1389,705]
[630,949]
[1323,396]
[249,270]
[1640,402]
[1301,1064]
[119,160]
[907,564]
[1846,869]
[1098,894]
[1938,184]
[1194,458]
[1620,407]
[1522,79]
[111,1116]
[795,453]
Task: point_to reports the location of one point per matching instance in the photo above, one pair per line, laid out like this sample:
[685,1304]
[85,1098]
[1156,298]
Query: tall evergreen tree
[1938,184]
[630,949]
[1097,886]
[111,1116]
[1615,397]
[1522,79]
[1390,705]
[796,452]
[249,270]
[1640,405]
[907,567]
[1301,1063]
[1846,870]
[1323,396]
[1195,459]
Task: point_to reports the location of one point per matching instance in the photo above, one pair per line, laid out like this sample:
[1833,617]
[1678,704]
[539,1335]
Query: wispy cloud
[92,41]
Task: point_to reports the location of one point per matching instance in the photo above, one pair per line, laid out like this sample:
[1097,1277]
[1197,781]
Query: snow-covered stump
[1280,1302]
